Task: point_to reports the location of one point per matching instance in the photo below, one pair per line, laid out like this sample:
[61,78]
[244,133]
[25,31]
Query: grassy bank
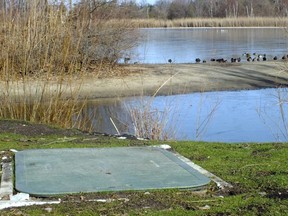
[213,22]
[258,173]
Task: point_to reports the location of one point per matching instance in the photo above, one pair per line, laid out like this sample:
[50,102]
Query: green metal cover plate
[46,172]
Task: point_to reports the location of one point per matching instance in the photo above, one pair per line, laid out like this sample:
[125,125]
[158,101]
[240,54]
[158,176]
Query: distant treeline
[166,9]
[175,9]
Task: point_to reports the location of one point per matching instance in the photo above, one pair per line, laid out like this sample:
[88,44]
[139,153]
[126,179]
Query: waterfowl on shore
[126,60]
[198,60]
[250,58]
[221,60]
[247,55]
[284,57]
[235,60]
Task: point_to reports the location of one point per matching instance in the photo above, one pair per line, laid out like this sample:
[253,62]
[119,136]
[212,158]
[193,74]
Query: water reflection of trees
[96,117]
[143,118]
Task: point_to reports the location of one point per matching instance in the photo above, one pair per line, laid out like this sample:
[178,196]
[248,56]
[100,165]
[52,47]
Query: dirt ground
[164,79]
[31,129]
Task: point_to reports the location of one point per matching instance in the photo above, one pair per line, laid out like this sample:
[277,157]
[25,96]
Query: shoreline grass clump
[150,122]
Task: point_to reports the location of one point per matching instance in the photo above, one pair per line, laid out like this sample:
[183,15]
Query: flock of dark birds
[245,57]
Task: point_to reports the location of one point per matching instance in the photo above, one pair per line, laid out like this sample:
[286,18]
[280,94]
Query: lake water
[186,44]
[229,116]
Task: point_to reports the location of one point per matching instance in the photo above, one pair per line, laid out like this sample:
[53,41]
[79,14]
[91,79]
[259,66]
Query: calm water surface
[229,116]
[185,45]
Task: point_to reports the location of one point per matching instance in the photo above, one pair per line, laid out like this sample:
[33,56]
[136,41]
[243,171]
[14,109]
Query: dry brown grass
[151,122]
[213,22]
[44,48]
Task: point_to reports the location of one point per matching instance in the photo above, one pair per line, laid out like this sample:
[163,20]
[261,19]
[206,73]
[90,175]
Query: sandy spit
[166,79]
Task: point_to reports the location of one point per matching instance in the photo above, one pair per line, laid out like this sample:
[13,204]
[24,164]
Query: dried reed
[150,122]
[212,22]
[43,48]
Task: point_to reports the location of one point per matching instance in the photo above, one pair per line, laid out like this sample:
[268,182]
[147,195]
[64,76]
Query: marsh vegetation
[212,22]
[48,46]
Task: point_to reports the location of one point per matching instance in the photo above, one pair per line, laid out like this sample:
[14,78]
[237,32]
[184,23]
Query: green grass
[258,173]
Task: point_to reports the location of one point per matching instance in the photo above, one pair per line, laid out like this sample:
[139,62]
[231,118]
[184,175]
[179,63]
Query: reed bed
[44,52]
[212,22]
[55,102]
[38,52]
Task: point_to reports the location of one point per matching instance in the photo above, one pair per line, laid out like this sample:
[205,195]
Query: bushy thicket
[37,37]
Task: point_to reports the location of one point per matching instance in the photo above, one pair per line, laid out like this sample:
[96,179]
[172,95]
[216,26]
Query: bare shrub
[43,47]
[151,122]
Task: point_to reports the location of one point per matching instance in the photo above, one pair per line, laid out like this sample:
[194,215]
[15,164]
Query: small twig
[163,84]
[200,201]
[65,139]
[114,126]
[250,165]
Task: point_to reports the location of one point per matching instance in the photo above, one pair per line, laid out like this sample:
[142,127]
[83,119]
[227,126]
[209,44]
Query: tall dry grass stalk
[43,48]
[276,122]
[278,125]
[212,22]
[151,122]
[282,125]
[202,121]
[282,103]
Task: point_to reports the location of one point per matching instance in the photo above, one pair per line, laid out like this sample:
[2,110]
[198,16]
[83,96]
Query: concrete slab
[45,172]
